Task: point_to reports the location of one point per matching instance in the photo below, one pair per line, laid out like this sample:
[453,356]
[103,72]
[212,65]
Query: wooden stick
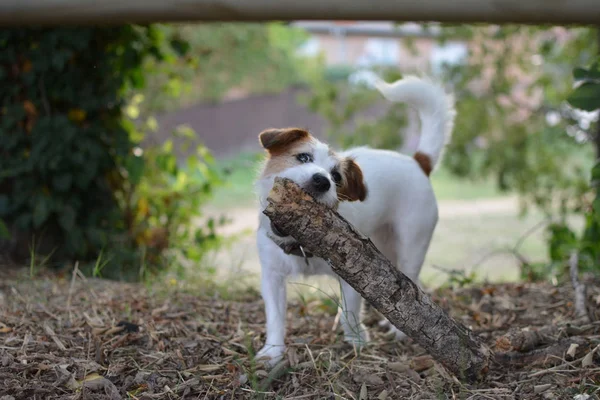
[81,12]
[524,340]
[323,232]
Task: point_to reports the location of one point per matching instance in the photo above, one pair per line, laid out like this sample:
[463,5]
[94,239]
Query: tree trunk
[323,232]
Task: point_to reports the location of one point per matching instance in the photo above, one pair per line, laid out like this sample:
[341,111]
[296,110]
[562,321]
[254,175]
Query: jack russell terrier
[387,196]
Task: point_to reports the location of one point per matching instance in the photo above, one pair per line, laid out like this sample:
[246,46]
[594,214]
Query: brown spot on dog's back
[353,185]
[424,162]
[277,141]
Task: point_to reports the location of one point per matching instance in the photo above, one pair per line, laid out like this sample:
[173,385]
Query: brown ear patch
[353,186]
[424,162]
[278,140]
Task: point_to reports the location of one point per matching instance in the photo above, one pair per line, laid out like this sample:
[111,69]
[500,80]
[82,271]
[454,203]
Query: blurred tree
[515,125]
[343,107]
[258,58]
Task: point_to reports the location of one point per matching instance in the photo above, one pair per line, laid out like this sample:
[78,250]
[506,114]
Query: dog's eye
[337,177]
[304,158]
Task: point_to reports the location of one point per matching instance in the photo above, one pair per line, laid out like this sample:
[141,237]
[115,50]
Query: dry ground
[65,338]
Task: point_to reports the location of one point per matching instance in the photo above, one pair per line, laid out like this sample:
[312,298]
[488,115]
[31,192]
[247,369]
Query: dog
[387,196]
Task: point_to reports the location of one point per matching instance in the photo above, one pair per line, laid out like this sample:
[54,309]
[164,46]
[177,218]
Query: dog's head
[294,154]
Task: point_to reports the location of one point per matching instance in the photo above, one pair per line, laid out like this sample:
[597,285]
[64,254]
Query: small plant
[99,265]
[562,239]
[161,199]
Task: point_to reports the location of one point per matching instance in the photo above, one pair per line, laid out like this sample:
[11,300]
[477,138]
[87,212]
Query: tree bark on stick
[323,232]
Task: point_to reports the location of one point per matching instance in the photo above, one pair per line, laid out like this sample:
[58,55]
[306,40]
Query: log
[553,354]
[524,340]
[323,232]
[81,12]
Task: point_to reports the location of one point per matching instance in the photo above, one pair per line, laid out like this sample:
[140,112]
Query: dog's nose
[321,183]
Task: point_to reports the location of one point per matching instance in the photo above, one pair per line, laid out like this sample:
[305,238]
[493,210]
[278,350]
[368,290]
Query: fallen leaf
[398,366]
[503,344]
[572,350]
[414,375]
[29,108]
[364,395]
[368,378]
[589,358]
[383,395]
[537,389]
[421,363]
[5,328]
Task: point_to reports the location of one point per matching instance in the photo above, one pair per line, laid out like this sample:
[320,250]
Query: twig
[578,287]
[515,250]
[53,336]
[71,290]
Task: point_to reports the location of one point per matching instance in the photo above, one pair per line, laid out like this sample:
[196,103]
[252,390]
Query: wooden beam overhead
[87,12]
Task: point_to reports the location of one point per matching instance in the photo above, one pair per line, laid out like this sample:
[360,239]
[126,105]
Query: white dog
[385,195]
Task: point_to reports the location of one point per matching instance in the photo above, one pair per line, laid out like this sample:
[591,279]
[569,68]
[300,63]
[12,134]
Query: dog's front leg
[354,331]
[274,295]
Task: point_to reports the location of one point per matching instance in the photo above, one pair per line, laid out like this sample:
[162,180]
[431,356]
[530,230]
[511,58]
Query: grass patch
[240,173]
[449,187]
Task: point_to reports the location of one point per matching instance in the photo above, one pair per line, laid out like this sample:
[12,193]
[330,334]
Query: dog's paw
[358,338]
[270,355]
[394,332]
[397,334]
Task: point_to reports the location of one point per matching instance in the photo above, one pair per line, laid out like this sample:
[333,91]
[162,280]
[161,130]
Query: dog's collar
[293,248]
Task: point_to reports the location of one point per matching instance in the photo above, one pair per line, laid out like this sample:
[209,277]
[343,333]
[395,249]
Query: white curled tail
[436,111]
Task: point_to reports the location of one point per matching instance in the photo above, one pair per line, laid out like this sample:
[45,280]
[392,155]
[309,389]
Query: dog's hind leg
[413,241]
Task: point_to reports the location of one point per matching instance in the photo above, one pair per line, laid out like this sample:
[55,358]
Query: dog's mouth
[323,197]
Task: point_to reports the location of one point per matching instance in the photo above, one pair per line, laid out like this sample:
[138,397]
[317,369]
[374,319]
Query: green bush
[563,240]
[72,179]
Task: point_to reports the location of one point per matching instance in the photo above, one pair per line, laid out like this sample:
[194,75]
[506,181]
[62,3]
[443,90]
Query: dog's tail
[436,111]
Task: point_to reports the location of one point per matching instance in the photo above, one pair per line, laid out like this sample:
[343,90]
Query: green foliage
[337,73]
[72,177]
[563,240]
[513,124]
[219,56]
[162,201]
[61,128]
[341,106]
[586,96]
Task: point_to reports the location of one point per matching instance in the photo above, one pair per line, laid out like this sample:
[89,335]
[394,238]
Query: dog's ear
[353,186]
[277,140]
